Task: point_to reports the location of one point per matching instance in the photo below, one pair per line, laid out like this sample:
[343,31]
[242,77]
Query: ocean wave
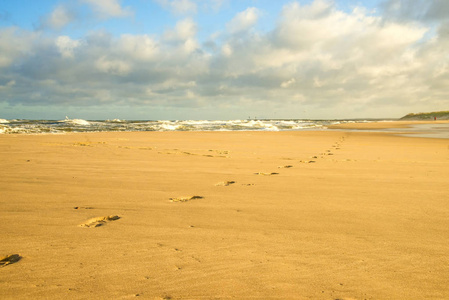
[4,121]
[81,125]
[76,121]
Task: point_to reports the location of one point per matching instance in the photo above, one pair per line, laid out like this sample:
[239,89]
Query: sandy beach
[224,215]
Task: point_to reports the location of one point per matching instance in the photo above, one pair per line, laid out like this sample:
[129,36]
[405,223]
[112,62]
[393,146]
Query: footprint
[266,174]
[82,144]
[307,161]
[99,221]
[82,207]
[10,259]
[285,167]
[225,183]
[185,199]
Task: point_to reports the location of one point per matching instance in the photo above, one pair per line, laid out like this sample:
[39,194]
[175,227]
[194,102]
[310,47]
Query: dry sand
[220,215]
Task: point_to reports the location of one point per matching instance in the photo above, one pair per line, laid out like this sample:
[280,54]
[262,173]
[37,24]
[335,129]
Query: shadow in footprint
[266,174]
[225,183]
[10,259]
[185,199]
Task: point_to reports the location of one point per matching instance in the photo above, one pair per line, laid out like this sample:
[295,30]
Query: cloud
[140,47]
[60,17]
[183,36]
[189,7]
[423,10]
[15,45]
[184,29]
[316,58]
[243,20]
[109,8]
[179,6]
[66,46]
[113,66]
[288,83]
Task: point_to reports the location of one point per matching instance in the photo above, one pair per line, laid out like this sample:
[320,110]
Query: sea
[67,125]
[79,125]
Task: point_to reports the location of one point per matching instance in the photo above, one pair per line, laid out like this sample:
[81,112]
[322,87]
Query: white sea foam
[76,121]
[116,121]
[4,121]
[81,125]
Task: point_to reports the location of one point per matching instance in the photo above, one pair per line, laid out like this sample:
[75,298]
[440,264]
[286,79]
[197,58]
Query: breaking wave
[80,125]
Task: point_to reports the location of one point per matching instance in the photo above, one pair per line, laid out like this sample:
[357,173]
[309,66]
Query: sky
[222,59]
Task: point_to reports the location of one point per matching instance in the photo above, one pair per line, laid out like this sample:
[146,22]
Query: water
[438,131]
[80,125]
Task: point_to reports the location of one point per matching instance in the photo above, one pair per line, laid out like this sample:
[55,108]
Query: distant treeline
[439,115]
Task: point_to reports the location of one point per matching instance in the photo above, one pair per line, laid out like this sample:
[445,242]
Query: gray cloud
[416,10]
[108,8]
[60,17]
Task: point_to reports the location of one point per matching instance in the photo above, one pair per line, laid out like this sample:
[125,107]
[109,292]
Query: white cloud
[183,35]
[226,50]
[184,29]
[243,20]
[140,47]
[109,8]
[66,46]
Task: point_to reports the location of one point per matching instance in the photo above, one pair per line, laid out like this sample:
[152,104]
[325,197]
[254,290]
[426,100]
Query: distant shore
[384,125]
[436,115]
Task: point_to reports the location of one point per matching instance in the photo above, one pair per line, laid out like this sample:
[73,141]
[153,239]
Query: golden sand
[187,215]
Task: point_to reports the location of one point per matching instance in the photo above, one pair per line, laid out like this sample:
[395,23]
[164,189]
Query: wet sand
[220,215]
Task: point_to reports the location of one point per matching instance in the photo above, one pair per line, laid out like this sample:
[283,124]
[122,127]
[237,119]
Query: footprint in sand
[185,199]
[266,174]
[307,161]
[83,207]
[285,167]
[99,221]
[225,183]
[9,259]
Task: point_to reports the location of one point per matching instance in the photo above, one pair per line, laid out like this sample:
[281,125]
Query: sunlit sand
[263,215]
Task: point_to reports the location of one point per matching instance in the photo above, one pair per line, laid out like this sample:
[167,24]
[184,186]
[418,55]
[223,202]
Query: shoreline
[244,214]
[384,124]
[78,125]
